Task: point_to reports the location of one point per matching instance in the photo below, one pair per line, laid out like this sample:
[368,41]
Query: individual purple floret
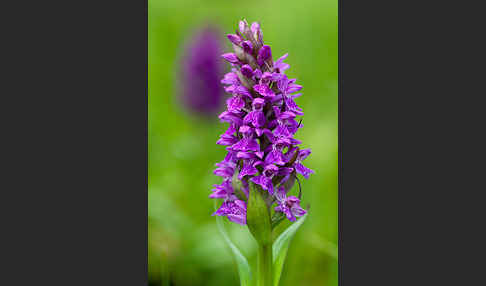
[290,206]
[262,117]
[202,68]
[234,209]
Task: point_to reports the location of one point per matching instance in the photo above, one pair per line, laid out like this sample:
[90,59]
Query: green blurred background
[185,247]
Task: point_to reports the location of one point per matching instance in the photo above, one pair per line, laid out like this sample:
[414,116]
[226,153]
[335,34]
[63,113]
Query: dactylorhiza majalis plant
[263,157]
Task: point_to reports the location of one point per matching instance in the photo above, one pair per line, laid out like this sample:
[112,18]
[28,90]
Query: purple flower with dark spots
[230,78]
[228,138]
[225,168]
[256,118]
[235,104]
[290,206]
[248,168]
[275,156]
[238,90]
[223,190]
[265,180]
[200,73]
[231,117]
[246,144]
[258,104]
[262,117]
[264,90]
[234,210]
[301,169]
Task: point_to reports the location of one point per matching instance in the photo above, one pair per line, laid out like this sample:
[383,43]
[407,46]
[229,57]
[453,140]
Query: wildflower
[262,117]
[201,70]
[301,169]
[288,205]
[234,209]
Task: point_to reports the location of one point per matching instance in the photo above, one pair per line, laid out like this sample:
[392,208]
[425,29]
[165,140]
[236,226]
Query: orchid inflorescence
[262,122]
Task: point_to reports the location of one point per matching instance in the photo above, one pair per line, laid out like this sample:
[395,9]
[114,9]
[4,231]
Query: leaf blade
[244,271]
[281,246]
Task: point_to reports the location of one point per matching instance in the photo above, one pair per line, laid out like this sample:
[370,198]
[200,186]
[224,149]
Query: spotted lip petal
[264,90]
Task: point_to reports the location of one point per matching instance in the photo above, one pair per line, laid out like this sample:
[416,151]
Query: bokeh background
[185,247]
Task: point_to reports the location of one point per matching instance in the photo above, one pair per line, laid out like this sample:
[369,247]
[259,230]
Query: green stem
[265,276]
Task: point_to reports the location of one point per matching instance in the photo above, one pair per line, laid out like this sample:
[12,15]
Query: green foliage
[280,247]
[279,252]
[244,270]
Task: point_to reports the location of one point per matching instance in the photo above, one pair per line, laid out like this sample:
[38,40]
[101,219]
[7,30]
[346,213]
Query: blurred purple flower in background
[201,70]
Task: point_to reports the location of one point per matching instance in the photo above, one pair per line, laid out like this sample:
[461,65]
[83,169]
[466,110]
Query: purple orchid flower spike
[264,159]
[262,117]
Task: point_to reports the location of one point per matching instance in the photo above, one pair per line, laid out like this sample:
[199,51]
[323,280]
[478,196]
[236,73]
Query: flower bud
[243,25]
[255,28]
[247,71]
[247,47]
[230,57]
[264,54]
[235,39]
[257,34]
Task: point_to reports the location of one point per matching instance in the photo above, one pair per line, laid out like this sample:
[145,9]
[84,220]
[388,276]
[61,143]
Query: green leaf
[241,262]
[280,247]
